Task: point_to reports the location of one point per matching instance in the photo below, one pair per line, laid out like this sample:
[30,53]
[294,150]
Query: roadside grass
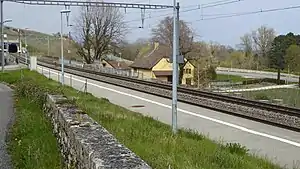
[290,96]
[31,142]
[232,78]
[152,140]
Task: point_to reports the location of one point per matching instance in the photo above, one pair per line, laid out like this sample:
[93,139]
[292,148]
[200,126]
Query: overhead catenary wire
[229,15]
[198,7]
[237,14]
[194,7]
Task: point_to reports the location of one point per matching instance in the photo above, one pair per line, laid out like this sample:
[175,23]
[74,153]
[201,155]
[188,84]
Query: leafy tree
[292,58]
[278,51]
[237,59]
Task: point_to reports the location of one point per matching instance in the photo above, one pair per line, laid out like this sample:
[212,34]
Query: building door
[188,81]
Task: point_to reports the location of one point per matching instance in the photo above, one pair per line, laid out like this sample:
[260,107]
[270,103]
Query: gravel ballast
[235,109]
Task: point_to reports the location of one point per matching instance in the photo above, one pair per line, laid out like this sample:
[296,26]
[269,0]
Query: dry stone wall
[84,143]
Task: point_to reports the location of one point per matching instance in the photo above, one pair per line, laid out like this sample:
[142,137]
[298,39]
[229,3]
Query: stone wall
[84,143]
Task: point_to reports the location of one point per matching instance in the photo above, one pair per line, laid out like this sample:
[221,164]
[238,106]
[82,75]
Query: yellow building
[157,66]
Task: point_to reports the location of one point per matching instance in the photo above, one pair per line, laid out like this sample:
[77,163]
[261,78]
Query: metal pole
[20,43]
[25,39]
[2,38]
[175,71]
[62,48]
[177,42]
[48,46]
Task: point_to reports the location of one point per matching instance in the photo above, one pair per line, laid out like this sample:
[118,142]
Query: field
[152,140]
[232,78]
[290,96]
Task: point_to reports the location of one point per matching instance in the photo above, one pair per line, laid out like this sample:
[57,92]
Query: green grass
[152,140]
[233,78]
[32,144]
[38,42]
[290,96]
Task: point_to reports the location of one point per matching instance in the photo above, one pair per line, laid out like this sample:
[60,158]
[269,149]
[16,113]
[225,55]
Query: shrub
[37,93]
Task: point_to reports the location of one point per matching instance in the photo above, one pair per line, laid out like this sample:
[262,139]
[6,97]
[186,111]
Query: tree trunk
[278,76]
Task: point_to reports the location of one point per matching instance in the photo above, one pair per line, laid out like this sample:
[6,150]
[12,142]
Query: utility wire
[198,6]
[188,10]
[229,15]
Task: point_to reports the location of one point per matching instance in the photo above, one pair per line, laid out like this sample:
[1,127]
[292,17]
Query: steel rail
[286,110]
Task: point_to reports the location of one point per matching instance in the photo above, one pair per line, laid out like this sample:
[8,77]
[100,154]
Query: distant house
[157,65]
[115,64]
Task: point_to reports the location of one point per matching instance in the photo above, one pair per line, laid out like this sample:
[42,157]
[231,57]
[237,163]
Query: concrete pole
[62,48]
[2,38]
[175,67]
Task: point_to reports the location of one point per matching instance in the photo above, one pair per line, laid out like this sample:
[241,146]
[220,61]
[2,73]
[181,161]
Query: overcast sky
[225,31]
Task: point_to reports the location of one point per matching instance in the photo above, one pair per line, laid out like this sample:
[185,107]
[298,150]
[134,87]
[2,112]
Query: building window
[188,71]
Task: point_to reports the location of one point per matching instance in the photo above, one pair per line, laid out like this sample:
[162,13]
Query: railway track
[285,110]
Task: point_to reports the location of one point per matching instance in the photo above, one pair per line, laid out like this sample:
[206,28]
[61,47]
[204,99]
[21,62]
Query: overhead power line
[199,7]
[229,15]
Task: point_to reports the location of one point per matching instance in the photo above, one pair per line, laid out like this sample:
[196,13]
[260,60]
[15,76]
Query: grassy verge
[290,96]
[233,78]
[32,144]
[148,138]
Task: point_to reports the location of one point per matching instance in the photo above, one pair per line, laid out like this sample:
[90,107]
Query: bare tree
[163,34]
[263,38]
[98,28]
[247,44]
[84,35]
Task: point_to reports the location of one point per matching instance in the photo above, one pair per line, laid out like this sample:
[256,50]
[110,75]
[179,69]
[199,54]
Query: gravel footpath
[6,116]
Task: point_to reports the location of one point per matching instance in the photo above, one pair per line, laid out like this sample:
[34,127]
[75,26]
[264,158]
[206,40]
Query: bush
[268,80]
[37,93]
